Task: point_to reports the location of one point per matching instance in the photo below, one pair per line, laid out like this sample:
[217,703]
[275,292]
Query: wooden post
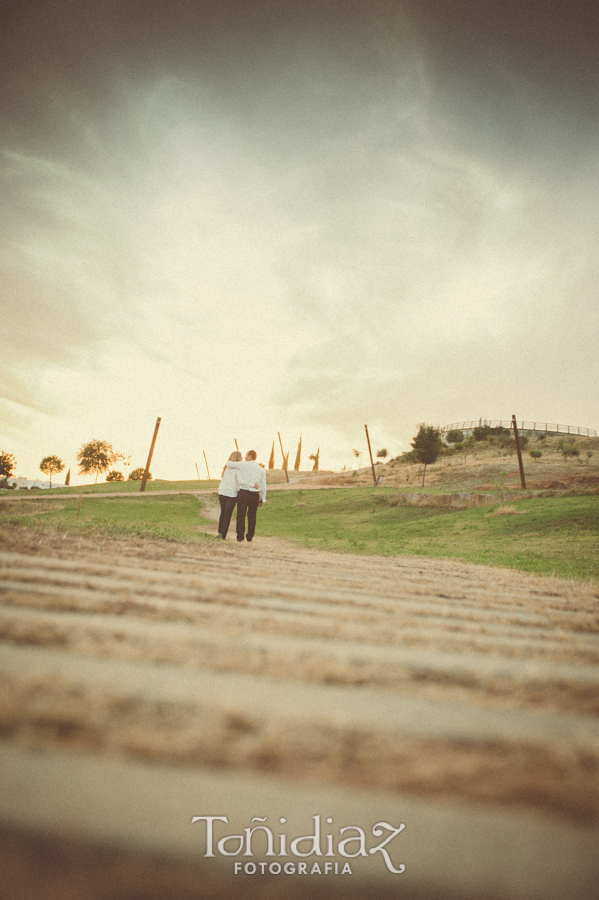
[283,454]
[519,452]
[198,471]
[206,461]
[236,446]
[370,452]
[147,469]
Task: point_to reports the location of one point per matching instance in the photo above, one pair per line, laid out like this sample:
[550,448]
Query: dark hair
[252,454]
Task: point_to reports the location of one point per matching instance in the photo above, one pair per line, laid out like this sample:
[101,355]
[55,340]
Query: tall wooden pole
[147,469]
[370,452]
[519,452]
[206,461]
[198,471]
[236,445]
[283,454]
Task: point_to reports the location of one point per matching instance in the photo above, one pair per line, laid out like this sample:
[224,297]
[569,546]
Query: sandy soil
[441,688]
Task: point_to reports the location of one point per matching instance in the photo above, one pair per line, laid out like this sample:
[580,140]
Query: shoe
[240,539]
[248,539]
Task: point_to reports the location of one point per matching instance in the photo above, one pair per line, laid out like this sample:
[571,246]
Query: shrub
[115,476]
[138,474]
[454,436]
[536,454]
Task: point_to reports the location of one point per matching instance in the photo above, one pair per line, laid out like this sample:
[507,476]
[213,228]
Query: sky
[249,218]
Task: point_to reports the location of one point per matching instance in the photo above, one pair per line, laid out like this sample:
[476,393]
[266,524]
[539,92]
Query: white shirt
[229,486]
[249,473]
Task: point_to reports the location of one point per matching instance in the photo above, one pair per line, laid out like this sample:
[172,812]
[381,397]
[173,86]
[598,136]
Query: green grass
[175,517]
[553,536]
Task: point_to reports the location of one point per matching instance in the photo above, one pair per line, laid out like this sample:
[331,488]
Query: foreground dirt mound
[146,683]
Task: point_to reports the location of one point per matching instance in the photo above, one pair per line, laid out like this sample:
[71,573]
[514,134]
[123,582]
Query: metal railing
[547,427]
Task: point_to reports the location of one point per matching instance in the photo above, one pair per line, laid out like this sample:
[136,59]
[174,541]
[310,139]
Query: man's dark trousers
[247,501]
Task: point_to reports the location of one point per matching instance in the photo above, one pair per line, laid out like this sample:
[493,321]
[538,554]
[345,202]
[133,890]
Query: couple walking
[243,483]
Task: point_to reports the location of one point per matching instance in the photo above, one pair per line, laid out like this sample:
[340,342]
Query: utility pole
[370,452]
[519,452]
[150,454]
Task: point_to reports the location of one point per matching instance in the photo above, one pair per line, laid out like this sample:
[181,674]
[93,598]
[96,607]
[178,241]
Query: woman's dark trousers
[227,505]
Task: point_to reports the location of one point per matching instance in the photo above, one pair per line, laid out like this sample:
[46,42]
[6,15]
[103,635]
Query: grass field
[549,536]
[176,517]
[553,536]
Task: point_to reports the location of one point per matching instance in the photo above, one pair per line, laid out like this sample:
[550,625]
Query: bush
[454,436]
[536,454]
[115,476]
[482,432]
[138,474]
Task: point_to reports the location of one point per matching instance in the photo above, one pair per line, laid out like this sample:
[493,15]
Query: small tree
[51,465]
[298,456]
[536,454]
[427,445]
[271,461]
[568,448]
[382,454]
[7,463]
[454,436]
[96,456]
[115,476]
[138,474]
[315,457]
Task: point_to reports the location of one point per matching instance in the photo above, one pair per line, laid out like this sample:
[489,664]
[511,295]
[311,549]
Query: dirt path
[144,682]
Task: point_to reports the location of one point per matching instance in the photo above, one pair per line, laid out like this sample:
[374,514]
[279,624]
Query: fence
[547,427]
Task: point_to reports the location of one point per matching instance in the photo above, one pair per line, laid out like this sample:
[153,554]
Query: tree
[51,465]
[454,436]
[96,456]
[427,445]
[568,448]
[138,474]
[115,476]
[271,461]
[315,457]
[7,463]
[382,454]
[358,455]
[536,454]
[298,456]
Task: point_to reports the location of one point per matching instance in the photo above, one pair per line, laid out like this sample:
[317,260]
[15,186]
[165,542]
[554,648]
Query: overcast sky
[252,217]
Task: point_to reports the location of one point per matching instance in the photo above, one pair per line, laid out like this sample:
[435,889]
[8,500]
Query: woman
[227,495]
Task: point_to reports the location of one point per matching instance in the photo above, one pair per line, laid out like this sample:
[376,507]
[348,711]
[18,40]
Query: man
[251,478]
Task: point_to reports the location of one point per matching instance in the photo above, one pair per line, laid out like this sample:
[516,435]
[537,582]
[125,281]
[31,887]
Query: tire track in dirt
[357,675]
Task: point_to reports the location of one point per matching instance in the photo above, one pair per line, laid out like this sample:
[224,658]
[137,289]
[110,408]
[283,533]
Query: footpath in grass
[546,536]
[552,536]
[130,487]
